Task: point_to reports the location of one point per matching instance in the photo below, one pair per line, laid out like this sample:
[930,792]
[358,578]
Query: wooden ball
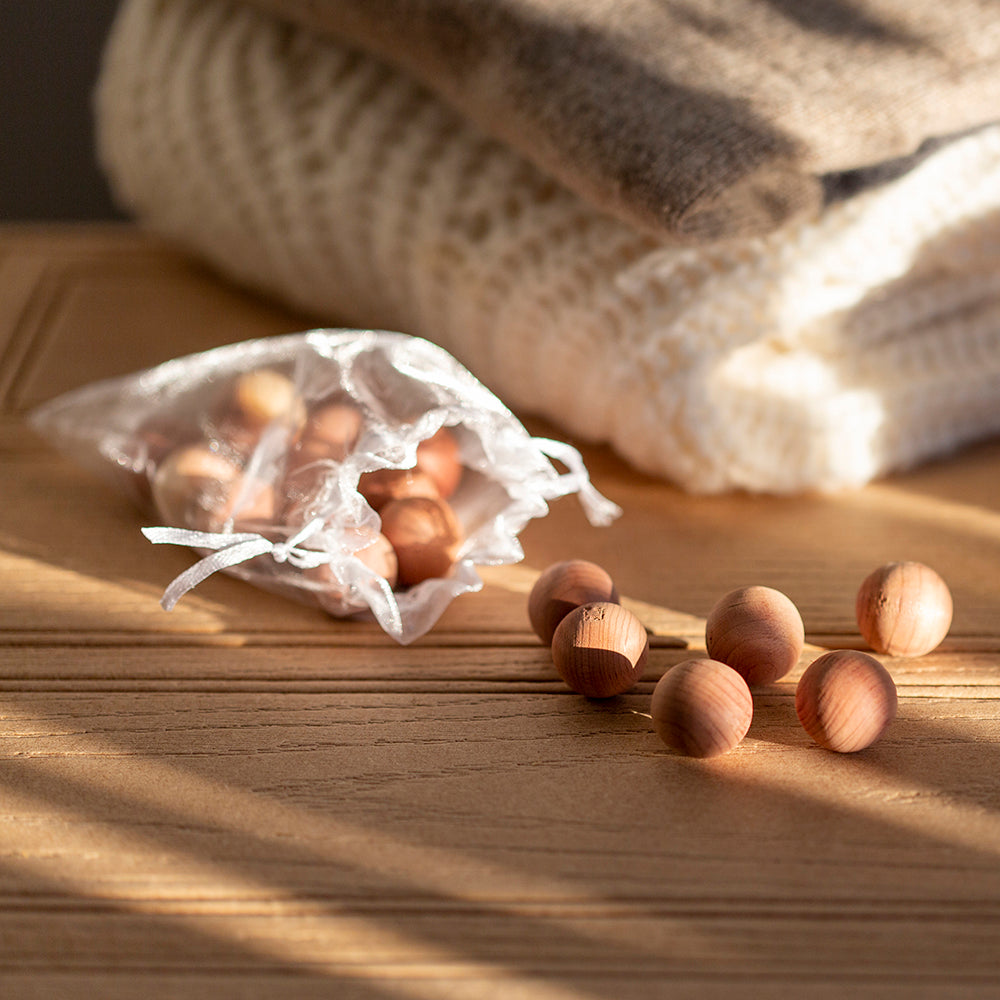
[757,631]
[562,587]
[425,534]
[701,707]
[903,609]
[195,487]
[382,485]
[192,485]
[845,700]
[260,397]
[330,433]
[600,649]
[253,402]
[379,556]
[439,457]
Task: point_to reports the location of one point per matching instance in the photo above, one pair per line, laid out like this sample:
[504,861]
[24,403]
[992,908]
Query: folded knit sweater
[858,339]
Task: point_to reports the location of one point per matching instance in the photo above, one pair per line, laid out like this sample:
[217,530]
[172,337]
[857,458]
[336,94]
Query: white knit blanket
[820,356]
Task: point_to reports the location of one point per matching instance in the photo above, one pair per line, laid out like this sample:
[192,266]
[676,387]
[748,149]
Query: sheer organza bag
[366,472]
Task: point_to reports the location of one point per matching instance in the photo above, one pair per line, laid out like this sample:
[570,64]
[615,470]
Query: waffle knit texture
[830,351]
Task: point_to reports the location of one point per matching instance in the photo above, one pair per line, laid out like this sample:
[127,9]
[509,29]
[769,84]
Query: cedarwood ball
[196,487]
[382,485]
[263,396]
[702,708]
[562,587]
[904,609]
[439,457]
[426,536]
[600,649]
[757,631]
[330,433]
[255,401]
[379,556]
[845,700]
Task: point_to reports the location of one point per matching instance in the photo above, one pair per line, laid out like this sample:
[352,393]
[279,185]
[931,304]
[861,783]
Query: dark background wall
[49,55]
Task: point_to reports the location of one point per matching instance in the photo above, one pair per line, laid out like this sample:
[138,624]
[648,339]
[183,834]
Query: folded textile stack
[750,245]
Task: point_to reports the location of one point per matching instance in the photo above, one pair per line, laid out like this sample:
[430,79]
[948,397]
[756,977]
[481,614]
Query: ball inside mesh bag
[366,472]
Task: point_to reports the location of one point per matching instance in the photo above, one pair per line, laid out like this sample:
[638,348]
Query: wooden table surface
[244,798]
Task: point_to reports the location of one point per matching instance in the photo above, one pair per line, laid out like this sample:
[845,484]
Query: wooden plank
[244,798]
[283,664]
[398,984]
[434,835]
[485,796]
[657,947]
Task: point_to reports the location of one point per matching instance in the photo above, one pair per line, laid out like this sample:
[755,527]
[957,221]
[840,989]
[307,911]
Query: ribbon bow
[230,548]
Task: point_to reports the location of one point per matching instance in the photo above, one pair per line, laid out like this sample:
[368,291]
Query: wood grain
[244,798]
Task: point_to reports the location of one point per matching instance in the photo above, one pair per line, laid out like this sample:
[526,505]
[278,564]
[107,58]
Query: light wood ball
[256,401]
[439,456]
[702,708]
[382,485]
[263,396]
[330,433]
[845,700]
[600,650]
[195,487]
[562,587]
[904,609]
[426,536]
[757,631]
[379,556]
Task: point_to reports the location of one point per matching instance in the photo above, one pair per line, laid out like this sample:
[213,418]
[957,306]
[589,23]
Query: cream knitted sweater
[824,354]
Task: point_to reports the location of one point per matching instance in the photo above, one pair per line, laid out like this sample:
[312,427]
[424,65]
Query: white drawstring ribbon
[599,509]
[231,548]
